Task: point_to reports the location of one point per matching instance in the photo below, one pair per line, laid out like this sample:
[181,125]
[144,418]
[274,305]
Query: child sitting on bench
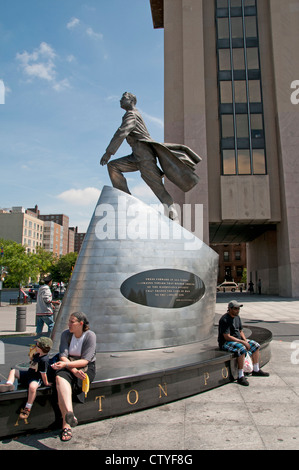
[34,377]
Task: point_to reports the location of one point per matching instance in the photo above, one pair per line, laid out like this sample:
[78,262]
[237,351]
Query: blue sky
[65,65]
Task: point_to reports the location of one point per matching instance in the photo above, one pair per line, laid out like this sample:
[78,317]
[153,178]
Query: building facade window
[240,98]
[239,271]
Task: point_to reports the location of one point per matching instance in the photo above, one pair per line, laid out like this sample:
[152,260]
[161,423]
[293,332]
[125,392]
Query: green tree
[45,260]
[244,276]
[22,266]
[19,265]
[62,270]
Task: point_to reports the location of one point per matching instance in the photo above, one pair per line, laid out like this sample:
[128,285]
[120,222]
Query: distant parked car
[227,287]
[33,291]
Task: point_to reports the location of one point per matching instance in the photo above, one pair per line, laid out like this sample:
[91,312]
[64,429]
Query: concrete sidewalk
[8,315]
[263,416]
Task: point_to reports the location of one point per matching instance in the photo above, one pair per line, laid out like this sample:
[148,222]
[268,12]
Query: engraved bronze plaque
[163,288]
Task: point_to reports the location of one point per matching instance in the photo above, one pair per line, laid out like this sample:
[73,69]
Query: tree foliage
[244,276]
[18,265]
[44,261]
[62,270]
[21,267]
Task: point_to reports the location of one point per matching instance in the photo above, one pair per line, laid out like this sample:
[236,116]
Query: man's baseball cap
[234,304]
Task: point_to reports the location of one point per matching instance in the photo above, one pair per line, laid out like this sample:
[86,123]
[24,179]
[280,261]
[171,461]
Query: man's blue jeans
[47,319]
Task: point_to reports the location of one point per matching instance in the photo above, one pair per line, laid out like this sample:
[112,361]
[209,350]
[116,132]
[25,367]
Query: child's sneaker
[25,412]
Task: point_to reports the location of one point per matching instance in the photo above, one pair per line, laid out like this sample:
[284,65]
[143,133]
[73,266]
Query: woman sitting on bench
[77,359]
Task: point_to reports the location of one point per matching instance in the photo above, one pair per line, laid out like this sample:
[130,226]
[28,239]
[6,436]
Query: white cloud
[91,33]
[41,64]
[157,121]
[73,23]
[46,50]
[71,58]
[62,85]
[80,197]
[113,98]
[44,71]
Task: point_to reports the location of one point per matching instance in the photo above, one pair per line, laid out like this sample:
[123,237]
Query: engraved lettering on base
[100,401]
[133,395]
[163,389]
[129,397]
[163,288]
[206,377]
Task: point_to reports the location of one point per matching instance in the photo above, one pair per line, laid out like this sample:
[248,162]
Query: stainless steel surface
[126,237]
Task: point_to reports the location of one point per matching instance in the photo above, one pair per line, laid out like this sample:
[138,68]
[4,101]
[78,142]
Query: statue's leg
[152,175]
[117,167]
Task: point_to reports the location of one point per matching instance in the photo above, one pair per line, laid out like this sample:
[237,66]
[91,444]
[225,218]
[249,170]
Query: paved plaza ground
[263,416]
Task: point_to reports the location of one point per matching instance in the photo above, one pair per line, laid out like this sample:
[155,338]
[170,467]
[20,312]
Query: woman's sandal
[25,412]
[66,434]
[71,419]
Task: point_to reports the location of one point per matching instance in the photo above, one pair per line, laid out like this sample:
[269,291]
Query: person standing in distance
[44,310]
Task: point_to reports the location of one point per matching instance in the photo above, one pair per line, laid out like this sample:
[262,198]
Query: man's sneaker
[260,373]
[243,381]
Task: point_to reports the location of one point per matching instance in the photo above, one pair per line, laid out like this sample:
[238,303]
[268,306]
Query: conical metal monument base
[143,281]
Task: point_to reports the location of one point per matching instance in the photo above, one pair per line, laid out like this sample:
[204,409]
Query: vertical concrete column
[185,105]
[284,18]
